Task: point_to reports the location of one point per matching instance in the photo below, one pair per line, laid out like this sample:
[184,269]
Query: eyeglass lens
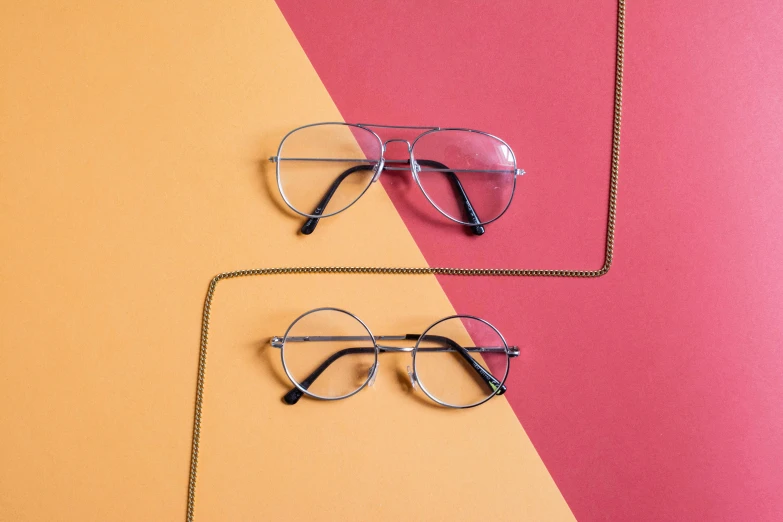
[336,361]
[327,160]
[450,376]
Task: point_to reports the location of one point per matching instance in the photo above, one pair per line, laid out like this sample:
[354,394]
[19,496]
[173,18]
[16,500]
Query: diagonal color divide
[652,393]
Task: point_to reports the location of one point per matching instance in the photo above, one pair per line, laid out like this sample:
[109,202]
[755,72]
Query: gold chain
[202,360]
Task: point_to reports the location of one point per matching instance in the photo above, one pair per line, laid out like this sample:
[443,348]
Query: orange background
[132,169]
[132,141]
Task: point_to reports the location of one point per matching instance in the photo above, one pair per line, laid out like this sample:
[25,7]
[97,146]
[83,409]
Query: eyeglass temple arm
[493,383]
[311,223]
[293,395]
[459,190]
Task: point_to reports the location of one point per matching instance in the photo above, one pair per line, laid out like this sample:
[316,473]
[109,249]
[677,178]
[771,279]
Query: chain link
[610,228]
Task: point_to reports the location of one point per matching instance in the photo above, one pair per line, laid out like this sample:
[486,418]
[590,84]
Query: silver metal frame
[382,164]
[280,343]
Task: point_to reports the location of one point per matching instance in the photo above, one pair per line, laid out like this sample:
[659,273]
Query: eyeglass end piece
[513,351]
[273,159]
[519,172]
[276,342]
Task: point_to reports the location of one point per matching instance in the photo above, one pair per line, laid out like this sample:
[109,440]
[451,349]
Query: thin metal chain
[202,360]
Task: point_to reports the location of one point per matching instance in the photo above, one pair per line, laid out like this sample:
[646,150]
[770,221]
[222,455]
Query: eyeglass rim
[456,406]
[315,395]
[515,172]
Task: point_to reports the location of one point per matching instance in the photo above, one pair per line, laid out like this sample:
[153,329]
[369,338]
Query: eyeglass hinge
[276,342]
[519,172]
[273,159]
[513,351]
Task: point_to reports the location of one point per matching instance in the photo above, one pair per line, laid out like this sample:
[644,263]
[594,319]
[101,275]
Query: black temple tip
[293,396]
[309,226]
[478,230]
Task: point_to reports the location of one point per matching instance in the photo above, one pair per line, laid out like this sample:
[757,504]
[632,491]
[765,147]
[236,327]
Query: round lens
[329,353]
[461,361]
[324,168]
[468,176]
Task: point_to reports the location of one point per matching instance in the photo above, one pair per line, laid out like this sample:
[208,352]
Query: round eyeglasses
[460,361]
[469,176]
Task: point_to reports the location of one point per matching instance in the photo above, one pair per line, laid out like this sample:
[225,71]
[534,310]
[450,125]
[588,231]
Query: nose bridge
[394,159]
[400,140]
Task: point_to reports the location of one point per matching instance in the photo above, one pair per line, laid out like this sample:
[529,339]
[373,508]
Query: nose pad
[377,170]
[412,376]
[372,374]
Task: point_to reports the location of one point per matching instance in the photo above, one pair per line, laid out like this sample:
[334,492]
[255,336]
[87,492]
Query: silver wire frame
[280,343]
[381,163]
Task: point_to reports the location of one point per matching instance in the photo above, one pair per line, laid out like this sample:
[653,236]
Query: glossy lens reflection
[469,176]
[461,361]
[329,353]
